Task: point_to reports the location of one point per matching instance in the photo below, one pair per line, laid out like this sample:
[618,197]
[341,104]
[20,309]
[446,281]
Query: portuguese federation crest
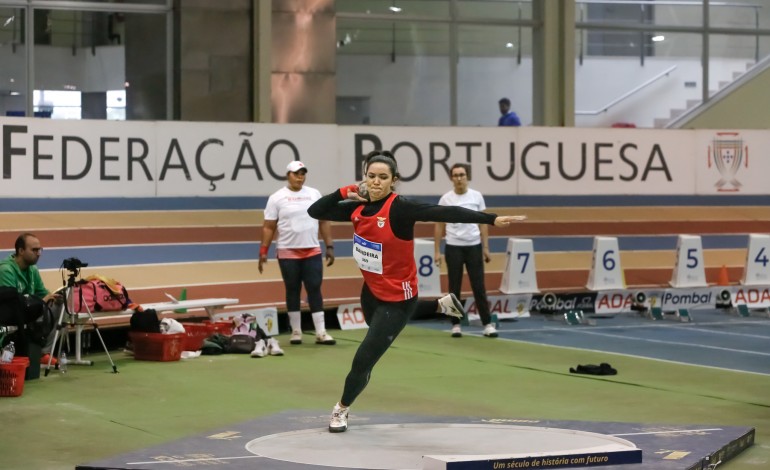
[728,153]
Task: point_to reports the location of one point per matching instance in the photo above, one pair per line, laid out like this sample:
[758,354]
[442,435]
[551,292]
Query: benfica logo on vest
[381,221]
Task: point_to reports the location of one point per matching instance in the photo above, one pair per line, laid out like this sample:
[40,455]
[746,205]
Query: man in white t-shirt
[298,250]
[466,245]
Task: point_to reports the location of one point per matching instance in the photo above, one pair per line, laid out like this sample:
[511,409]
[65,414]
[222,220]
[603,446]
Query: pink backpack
[99,297]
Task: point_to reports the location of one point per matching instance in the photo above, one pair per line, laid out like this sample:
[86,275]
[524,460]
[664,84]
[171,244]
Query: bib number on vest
[368,255]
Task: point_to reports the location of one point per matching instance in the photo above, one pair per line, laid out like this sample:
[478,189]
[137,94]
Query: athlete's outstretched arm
[332,207]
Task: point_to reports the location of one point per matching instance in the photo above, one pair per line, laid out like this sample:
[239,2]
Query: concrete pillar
[215,60]
[93,105]
[304,61]
[145,46]
[554,63]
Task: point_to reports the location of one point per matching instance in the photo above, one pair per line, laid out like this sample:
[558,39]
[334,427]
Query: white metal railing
[627,94]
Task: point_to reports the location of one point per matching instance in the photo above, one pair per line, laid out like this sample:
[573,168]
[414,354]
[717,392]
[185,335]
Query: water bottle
[63,363]
[8,352]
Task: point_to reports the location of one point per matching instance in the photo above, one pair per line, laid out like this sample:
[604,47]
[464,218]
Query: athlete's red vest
[398,280]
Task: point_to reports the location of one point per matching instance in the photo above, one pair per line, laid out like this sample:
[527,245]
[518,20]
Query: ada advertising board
[615,301]
[504,306]
[752,297]
[351,317]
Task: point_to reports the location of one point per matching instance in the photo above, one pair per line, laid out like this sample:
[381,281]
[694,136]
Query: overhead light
[395,9]
[14,93]
[509,45]
[658,38]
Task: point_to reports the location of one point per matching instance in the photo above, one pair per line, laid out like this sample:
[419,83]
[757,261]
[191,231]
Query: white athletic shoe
[490,331]
[324,338]
[451,306]
[260,350]
[456,331]
[296,337]
[273,348]
[339,421]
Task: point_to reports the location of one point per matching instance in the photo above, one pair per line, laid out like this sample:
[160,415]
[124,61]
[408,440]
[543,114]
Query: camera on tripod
[73,264]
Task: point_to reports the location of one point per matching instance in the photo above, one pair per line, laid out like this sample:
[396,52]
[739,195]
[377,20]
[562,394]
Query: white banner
[614,301]
[752,297]
[504,306]
[351,317]
[60,158]
[226,159]
[600,161]
[731,161]
[673,299]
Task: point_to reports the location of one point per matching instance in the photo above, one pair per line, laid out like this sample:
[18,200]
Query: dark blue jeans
[307,271]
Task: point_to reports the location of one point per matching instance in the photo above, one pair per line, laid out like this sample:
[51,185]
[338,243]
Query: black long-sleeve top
[403,213]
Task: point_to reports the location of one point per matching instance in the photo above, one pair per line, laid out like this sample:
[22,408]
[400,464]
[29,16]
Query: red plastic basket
[157,346]
[195,333]
[221,327]
[12,377]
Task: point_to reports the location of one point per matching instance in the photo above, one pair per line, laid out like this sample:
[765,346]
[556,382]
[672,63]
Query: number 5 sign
[689,270]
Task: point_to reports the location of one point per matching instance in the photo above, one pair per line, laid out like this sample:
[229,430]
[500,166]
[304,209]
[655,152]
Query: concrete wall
[748,107]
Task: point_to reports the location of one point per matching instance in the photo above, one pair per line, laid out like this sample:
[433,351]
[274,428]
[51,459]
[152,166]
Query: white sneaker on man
[456,331]
[273,348]
[323,337]
[260,350]
[339,421]
[296,337]
[451,306]
[490,331]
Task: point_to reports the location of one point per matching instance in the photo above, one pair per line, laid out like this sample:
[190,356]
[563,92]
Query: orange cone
[723,280]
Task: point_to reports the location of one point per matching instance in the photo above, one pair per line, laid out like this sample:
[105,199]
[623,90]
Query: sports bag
[99,294]
[240,344]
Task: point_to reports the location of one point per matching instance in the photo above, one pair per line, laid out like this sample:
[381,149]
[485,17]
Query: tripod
[68,307]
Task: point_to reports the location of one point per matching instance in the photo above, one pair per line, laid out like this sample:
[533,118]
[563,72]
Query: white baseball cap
[295,166]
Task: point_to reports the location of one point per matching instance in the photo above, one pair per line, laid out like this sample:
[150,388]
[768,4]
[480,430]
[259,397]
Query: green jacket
[27,281]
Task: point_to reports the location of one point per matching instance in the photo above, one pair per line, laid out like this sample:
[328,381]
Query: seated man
[22,293]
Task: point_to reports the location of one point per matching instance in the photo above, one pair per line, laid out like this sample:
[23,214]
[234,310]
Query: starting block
[743,310]
[577,317]
[656,313]
[684,315]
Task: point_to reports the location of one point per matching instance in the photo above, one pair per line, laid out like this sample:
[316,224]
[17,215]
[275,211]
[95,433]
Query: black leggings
[472,257]
[385,320]
[308,271]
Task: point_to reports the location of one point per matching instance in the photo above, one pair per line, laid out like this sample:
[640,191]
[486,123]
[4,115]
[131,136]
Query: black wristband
[329,246]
